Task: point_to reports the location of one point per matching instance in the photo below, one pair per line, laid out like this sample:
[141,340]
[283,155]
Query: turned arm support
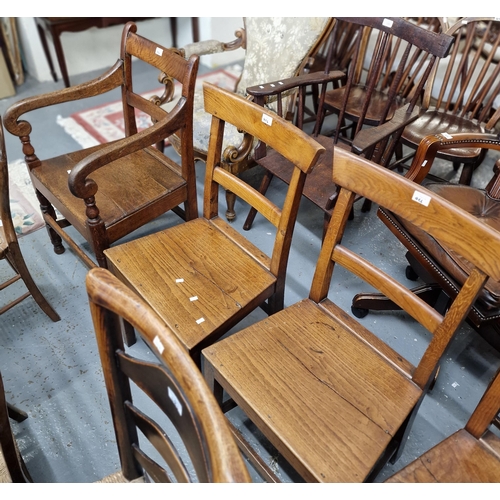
[107,81]
[83,187]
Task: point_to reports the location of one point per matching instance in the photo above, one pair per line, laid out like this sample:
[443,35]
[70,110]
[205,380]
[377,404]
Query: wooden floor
[52,370]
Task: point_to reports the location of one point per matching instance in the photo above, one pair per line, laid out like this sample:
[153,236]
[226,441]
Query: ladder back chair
[442,271]
[9,245]
[108,191]
[202,277]
[470,455]
[463,93]
[333,397]
[376,108]
[171,381]
[274,48]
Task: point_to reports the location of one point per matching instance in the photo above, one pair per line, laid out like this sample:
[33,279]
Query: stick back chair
[376,108]
[442,272]
[202,277]
[172,381]
[331,396]
[470,455]
[9,245]
[108,191]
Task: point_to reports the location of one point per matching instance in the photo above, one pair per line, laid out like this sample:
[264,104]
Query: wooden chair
[108,191]
[202,277]
[375,111]
[463,93]
[12,466]
[172,381]
[275,48]
[470,455]
[443,272]
[333,398]
[9,245]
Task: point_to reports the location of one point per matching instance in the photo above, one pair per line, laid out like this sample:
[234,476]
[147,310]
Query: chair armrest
[83,187]
[214,46]
[274,88]
[367,138]
[109,80]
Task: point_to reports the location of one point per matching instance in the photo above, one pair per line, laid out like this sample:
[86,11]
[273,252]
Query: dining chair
[188,439]
[336,399]
[469,455]
[371,106]
[202,277]
[441,272]
[108,191]
[9,246]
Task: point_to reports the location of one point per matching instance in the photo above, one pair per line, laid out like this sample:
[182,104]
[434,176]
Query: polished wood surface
[10,250]
[223,276]
[172,381]
[334,399]
[110,190]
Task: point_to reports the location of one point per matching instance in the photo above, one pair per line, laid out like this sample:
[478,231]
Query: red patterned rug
[105,123]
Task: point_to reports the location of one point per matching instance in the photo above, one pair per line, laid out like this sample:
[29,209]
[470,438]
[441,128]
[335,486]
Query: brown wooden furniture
[202,277]
[171,381]
[334,399]
[442,271]
[275,48]
[108,191]
[12,466]
[361,103]
[463,93]
[57,25]
[9,245]
[470,455]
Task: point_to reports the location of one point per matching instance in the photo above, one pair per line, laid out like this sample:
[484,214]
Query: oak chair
[470,455]
[9,245]
[463,93]
[108,191]
[372,109]
[202,277]
[172,382]
[274,48]
[12,466]
[333,398]
[443,273]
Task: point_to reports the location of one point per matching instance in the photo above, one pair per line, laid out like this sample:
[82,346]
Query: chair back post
[5,213]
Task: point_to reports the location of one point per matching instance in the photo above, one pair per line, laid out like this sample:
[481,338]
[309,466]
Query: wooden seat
[442,272]
[171,381]
[274,48]
[9,245]
[202,277]
[334,398]
[108,191]
[372,112]
[12,466]
[463,93]
[470,455]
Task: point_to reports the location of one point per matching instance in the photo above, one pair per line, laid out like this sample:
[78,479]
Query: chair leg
[264,184]
[18,263]
[48,209]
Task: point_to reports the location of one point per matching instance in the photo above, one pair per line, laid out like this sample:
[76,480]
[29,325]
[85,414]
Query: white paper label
[267,120]
[175,400]
[179,280]
[201,320]
[446,135]
[387,22]
[421,198]
[192,299]
[158,344]
[158,51]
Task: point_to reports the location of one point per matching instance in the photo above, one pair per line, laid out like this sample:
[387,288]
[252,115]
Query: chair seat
[478,203]
[458,459]
[192,252]
[154,176]
[313,363]
[438,122]
[319,186]
[357,97]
